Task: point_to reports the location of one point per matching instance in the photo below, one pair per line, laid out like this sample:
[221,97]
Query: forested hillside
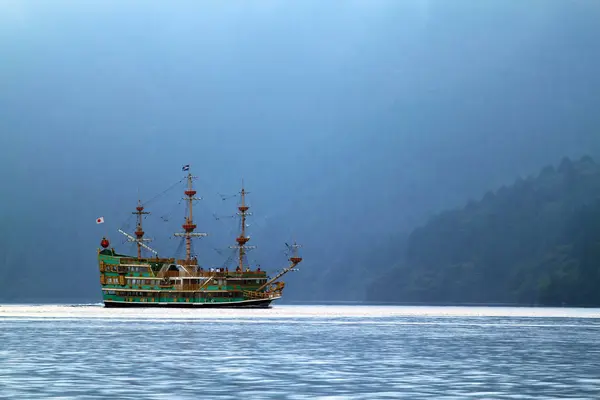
[535,242]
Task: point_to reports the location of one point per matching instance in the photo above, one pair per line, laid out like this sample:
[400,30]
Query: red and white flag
[100,220]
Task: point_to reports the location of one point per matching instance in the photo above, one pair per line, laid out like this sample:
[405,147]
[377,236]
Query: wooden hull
[258,303]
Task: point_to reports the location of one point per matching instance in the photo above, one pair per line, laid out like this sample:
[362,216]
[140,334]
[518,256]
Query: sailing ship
[137,281]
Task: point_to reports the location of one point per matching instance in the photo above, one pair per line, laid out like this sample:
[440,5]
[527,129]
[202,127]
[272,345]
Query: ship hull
[166,283]
[258,303]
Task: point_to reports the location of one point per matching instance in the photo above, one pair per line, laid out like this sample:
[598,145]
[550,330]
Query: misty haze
[432,158]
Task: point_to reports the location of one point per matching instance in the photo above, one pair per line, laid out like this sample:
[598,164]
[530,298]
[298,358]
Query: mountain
[535,242]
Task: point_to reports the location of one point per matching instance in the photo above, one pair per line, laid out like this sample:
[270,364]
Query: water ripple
[298,353]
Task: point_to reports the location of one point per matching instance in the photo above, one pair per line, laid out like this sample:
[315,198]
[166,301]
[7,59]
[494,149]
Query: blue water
[299,352]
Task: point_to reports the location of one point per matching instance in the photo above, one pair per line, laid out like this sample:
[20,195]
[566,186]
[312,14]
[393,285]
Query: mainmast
[189,225]
[139,232]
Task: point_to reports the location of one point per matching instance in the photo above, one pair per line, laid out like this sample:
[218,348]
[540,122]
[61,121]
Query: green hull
[240,304]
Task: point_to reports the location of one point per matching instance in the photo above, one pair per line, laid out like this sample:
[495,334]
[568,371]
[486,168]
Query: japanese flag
[100,220]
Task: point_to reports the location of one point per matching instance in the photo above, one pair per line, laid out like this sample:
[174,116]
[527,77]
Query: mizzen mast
[189,226]
[242,239]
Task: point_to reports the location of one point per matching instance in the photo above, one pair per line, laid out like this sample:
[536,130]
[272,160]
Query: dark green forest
[536,242]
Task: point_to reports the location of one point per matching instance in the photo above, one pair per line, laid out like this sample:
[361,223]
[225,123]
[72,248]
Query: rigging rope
[163,192]
[227,197]
[126,225]
[179,249]
[229,259]
[217,217]
[167,216]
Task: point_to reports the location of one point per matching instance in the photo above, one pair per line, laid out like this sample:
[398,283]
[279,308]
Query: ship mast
[242,239]
[189,225]
[139,232]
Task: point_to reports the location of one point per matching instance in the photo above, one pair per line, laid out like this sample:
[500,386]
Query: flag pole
[100,220]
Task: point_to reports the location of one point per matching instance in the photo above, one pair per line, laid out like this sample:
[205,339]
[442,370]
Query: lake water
[299,352]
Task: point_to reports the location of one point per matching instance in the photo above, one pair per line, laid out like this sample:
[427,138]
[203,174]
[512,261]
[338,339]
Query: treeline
[535,242]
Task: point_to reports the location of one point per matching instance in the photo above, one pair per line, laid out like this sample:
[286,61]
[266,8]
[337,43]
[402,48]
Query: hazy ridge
[534,242]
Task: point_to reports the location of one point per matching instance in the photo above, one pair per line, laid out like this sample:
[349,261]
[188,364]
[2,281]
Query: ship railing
[252,274]
[187,262]
[167,274]
[208,274]
[230,274]
[173,274]
[145,261]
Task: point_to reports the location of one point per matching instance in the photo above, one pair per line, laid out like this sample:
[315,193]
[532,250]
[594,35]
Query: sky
[349,121]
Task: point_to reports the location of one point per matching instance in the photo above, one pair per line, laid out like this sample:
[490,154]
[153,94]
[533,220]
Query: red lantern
[104,243]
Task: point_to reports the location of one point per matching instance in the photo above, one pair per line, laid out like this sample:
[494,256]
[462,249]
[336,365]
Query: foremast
[242,239]
[189,226]
[139,238]
[139,232]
